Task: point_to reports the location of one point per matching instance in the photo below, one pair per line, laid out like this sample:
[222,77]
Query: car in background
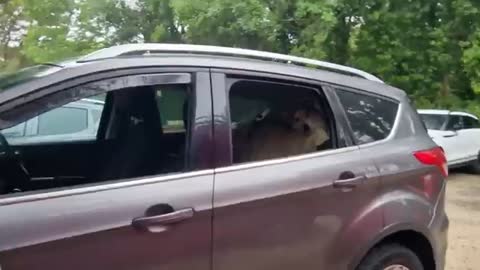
[76,121]
[458,133]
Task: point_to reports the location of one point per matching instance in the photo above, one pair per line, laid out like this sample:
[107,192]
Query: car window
[476,123]
[96,115]
[434,121]
[141,127]
[62,121]
[455,122]
[172,102]
[470,122]
[75,121]
[245,110]
[15,131]
[272,120]
[371,118]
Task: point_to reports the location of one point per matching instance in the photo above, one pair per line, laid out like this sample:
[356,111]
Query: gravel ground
[463,209]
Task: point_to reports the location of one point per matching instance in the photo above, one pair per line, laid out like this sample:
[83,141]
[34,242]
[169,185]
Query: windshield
[434,121]
[8,80]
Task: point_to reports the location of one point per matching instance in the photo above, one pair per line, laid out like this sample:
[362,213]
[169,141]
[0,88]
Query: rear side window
[371,118]
[470,122]
[271,120]
[434,121]
[455,123]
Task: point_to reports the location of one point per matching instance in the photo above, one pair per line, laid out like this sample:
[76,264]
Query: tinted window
[455,122]
[476,123]
[470,122]
[134,121]
[172,101]
[434,121]
[272,120]
[62,120]
[371,118]
[244,110]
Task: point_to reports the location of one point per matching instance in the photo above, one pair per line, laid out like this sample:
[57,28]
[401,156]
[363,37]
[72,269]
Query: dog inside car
[276,134]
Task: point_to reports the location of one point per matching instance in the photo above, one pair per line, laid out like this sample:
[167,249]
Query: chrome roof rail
[154,48]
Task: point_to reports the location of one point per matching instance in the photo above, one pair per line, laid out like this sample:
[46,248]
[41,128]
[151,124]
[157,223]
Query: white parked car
[458,133]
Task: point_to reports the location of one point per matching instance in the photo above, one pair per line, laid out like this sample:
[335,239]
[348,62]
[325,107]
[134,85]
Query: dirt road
[463,209]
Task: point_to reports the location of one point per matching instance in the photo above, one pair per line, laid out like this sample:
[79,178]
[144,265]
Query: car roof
[147,49]
[74,69]
[445,112]
[432,111]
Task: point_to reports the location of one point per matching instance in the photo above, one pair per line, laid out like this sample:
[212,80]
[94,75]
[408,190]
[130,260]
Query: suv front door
[289,213]
[153,222]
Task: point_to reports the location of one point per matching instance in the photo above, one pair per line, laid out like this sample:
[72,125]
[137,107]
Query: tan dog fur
[270,138]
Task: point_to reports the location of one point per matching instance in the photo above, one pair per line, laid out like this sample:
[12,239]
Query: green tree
[246,24]
[53,33]
[119,21]
[416,45]
[430,48]
[12,26]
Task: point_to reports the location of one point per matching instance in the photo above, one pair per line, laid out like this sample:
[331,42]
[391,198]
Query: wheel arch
[415,238]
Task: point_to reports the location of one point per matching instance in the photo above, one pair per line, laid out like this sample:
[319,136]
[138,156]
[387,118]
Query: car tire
[391,257]
[475,166]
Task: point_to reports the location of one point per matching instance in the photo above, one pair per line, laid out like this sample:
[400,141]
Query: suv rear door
[454,143]
[470,136]
[154,222]
[294,212]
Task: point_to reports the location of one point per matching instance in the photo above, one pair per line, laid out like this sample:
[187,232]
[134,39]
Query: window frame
[201,124]
[374,95]
[221,111]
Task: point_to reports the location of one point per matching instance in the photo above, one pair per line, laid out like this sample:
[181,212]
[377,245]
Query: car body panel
[404,202]
[471,143]
[294,199]
[92,230]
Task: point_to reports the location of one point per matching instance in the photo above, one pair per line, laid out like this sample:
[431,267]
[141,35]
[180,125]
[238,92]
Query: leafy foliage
[430,48]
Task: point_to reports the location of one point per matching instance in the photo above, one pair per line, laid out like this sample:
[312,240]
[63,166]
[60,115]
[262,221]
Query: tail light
[435,157]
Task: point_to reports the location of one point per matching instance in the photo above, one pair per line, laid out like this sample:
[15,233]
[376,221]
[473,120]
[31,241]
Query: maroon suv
[211,158]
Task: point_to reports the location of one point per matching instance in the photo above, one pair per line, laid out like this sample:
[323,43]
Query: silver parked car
[75,121]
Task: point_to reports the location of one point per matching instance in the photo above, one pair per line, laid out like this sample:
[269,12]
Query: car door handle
[159,223]
[349,182]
